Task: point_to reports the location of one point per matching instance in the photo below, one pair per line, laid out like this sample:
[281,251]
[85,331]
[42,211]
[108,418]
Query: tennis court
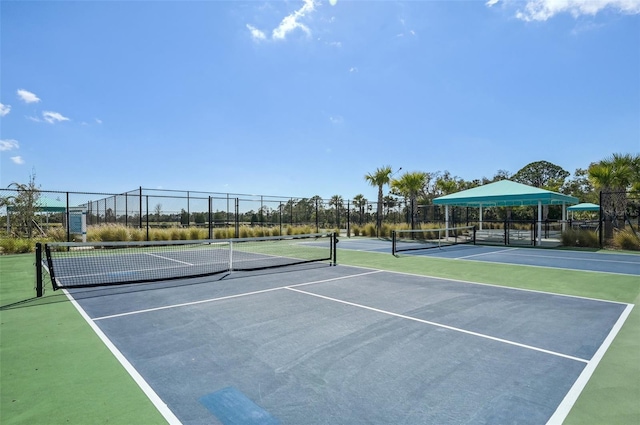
[618,263]
[316,343]
[319,344]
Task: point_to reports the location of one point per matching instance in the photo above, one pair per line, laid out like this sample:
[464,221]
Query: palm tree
[617,173]
[389,203]
[411,185]
[336,202]
[614,176]
[379,178]
[359,201]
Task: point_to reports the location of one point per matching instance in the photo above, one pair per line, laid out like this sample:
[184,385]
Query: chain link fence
[619,215]
[45,213]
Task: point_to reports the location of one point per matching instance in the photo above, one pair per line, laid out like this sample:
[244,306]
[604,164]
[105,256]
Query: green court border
[54,368]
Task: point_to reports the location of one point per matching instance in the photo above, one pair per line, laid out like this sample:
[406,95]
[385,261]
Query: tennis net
[72,265]
[412,240]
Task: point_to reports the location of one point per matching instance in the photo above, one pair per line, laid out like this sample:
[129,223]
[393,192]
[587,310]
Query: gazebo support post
[480,216]
[564,216]
[539,223]
[446,221]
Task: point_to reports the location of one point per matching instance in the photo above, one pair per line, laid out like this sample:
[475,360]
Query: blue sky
[303,98]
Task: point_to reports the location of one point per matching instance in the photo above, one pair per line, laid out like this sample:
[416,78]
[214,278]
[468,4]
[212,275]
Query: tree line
[616,173]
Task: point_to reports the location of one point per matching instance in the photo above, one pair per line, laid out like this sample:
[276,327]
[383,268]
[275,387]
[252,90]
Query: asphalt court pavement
[347,345]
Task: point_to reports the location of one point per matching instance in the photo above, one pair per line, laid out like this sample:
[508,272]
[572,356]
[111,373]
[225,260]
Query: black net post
[334,255]
[39,283]
[393,242]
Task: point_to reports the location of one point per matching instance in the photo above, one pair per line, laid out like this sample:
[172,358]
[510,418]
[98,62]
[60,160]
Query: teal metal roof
[584,207]
[504,193]
[47,205]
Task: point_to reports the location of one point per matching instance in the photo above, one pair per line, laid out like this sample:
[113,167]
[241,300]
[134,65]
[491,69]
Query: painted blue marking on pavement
[232,407]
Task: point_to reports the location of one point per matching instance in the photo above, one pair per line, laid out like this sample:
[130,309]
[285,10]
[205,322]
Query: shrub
[137,234]
[224,233]
[626,239]
[107,233]
[177,234]
[57,234]
[196,233]
[580,237]
[369,230]
[158,235]
[245,232]
[385,230]
[19,245]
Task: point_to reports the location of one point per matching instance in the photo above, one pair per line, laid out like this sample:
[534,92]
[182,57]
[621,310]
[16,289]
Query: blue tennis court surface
[347,345]
[554,258]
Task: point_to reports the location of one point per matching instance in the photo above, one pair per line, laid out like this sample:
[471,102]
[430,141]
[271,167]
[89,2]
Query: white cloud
[4,109]
[353,69]
[491,2]
[8,144]
[541,10]
[256,34]
[98,121]
[337,119]
[27,96]
[17,160]
[53,117]
[292,21]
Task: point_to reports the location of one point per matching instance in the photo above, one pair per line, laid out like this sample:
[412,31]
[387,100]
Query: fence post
[147,215]
[210,218]
[237,217]
[600,223]
[348,219]
[66,219]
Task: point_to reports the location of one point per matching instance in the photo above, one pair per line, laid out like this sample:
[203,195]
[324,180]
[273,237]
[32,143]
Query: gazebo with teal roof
[506,193]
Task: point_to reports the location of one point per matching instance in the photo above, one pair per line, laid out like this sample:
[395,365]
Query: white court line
[440,325]
[486,253]
[144,386]
[591,260]
[492,285]
[571,269]
[167,258]
[569,400]
[232,296]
